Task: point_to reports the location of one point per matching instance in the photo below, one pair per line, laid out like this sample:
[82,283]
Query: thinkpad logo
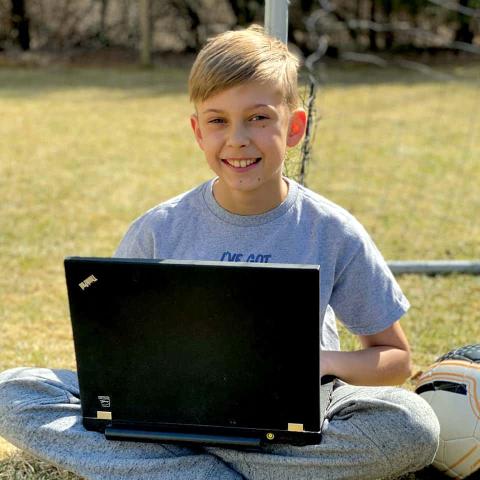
[104,401]
[87,282]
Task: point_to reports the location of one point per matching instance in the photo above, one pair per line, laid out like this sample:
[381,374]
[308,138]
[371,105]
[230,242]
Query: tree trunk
[244,11]
[372,34]
[463,32]
[389,38]
[103,15]
[191,8]
[20,24]
[145,33]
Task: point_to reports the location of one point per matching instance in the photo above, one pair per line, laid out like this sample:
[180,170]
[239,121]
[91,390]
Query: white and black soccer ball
[452,387]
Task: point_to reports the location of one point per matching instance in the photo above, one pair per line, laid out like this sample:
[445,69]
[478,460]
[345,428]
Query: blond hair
[237,57]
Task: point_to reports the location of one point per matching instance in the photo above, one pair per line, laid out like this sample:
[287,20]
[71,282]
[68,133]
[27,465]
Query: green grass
[85,151]
[21,466]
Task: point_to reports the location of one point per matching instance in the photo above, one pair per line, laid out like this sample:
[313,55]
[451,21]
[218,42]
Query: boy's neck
[250,202]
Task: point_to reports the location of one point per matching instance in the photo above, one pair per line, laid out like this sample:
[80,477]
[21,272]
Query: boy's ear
[196,130]
[297,126]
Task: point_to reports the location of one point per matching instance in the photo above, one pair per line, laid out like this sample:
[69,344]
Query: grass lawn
[85,151]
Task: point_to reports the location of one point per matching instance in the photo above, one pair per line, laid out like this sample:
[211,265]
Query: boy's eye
[257,118]
[216,120]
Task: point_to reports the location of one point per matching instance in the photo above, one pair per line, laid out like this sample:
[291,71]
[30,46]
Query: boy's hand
[385,360]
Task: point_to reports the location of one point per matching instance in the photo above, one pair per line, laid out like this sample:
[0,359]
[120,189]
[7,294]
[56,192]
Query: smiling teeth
[241,163]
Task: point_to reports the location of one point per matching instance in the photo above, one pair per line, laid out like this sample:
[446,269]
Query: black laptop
[214,353]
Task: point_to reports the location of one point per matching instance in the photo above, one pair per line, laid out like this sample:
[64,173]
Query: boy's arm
[384,360]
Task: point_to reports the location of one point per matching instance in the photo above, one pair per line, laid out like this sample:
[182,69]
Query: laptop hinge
[115,433]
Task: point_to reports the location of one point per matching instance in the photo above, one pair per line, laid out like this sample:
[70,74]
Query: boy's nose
[238,137]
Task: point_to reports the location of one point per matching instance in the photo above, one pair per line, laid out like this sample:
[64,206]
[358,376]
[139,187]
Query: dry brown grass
[21,466]
[83,152]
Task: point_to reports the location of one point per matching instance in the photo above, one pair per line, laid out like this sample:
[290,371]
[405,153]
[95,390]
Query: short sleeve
[366,298]
[137,242]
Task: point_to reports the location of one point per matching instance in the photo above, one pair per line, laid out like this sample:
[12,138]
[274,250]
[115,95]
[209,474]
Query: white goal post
[276,25]
[276,19]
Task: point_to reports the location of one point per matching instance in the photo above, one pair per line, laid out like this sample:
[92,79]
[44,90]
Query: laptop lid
[207,352]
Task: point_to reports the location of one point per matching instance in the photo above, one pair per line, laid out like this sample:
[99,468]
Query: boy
[244,88]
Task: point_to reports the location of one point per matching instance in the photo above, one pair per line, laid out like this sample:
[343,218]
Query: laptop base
[245,438]
[112,433]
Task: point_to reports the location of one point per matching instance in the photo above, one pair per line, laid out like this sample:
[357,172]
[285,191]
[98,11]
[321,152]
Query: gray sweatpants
[368,433]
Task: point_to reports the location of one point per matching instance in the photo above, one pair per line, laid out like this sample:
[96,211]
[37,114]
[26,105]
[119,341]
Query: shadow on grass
[399,72]
[168,79]
[28,82]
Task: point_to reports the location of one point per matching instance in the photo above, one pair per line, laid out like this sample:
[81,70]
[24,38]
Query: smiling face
[244,132]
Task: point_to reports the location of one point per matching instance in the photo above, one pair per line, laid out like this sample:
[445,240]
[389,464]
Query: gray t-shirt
[306,228]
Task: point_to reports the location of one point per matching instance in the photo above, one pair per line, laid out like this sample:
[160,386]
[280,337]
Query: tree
[464,32]
[245,11]
[372,33]
[20,24]
[190,10]
[145,33]
[388,11]
[103,16]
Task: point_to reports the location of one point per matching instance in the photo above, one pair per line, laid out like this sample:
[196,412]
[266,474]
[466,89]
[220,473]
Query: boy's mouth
[240,162]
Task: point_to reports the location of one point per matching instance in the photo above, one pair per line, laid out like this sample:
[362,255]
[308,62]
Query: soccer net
[395,138]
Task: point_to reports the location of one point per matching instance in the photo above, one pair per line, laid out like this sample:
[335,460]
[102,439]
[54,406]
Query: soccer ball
[452,388]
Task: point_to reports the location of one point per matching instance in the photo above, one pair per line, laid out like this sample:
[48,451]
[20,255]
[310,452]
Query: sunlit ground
[84,152]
